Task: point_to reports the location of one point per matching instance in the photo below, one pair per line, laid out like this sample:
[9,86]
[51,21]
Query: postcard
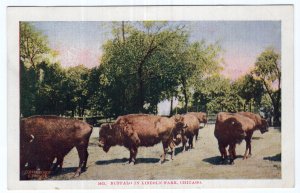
[150,97]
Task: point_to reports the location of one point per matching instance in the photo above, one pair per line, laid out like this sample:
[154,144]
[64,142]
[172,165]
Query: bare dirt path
[202,162]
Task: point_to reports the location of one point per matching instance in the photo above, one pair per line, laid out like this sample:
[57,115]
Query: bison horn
[185,126]
[32,138]
[110,126]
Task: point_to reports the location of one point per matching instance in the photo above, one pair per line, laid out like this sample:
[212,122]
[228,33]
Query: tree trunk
[275,99]
[250,110]
[186,100]
[277,115]
[123,31]
[141,90]
[82,112]
[155,110]
[171,107]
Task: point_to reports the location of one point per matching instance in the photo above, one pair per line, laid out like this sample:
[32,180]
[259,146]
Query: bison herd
[46,140]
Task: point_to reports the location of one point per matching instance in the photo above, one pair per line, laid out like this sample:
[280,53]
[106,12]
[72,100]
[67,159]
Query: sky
[81,42]
[241,41]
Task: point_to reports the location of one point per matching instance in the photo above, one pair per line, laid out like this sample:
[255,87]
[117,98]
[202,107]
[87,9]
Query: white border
[283,13]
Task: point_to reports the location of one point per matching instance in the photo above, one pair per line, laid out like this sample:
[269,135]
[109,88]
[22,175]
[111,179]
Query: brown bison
[191,129]
[260,124]
[202,118]
[46,138]
[232,128]
[136,130]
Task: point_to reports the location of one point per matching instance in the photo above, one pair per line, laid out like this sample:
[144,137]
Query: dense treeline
[143,63]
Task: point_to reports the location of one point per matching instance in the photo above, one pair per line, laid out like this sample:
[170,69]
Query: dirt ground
[202,162]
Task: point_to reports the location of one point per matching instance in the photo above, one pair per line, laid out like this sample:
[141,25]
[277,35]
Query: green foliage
[28,90]
[143,69]
[76,89]
[49,96]
[142,64]
[33,45]
[215,94]
[250,90]
[199,61]
[267,69]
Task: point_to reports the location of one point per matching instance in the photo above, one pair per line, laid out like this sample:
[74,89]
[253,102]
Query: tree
[250,89]
[33,45]
[268,70]
[216,94]
[76,89]
[50,95]
[28,90]
[141,68]
[198,62]
[33,51]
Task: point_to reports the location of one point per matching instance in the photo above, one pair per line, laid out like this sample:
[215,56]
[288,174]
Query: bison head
[107,135]
[264,127]
[204,118]
[179,128]
[177,136]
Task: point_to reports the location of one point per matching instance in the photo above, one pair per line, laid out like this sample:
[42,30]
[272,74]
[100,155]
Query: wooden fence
[96,121]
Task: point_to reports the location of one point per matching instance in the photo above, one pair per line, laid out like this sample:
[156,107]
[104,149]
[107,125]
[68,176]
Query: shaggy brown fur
[202,118]
[260,124]
[192,127]
[44,138]
[136,130]
[230,129]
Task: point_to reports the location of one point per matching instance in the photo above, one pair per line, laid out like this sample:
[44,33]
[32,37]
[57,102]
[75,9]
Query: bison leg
[246,151]
[165,148]
[196,134]
[223,152]
[133,152]
[60,162]
[172,147]
[83,156]
[57,166]
[250,137]
[184,140]
[191,146]
[248,147]
[232,153]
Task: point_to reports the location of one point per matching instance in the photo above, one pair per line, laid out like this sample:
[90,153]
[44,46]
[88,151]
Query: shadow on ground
[274,158]
[178,150]
[63,171]
[278,128]
[216,160]
[125,160]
